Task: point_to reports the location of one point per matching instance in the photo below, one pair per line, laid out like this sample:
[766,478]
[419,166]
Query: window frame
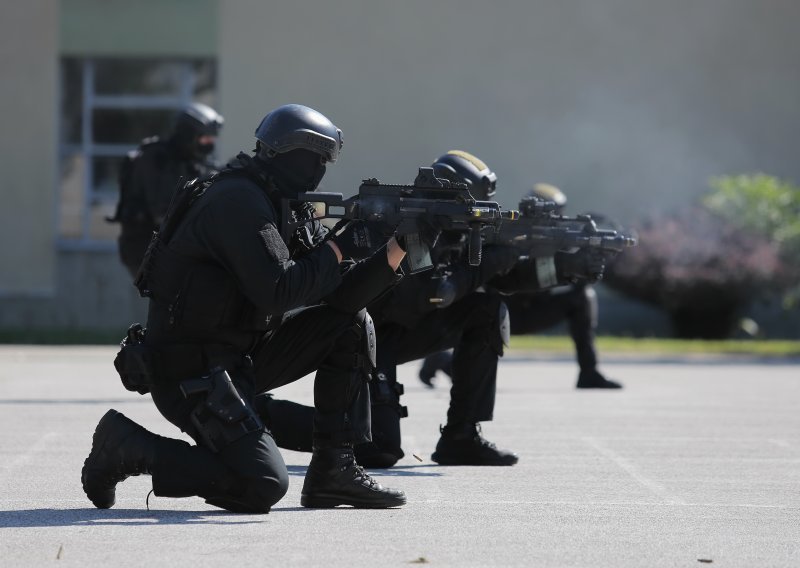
[89,150]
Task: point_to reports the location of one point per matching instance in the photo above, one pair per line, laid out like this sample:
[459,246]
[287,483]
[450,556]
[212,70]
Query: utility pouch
[221,416]
[135,361]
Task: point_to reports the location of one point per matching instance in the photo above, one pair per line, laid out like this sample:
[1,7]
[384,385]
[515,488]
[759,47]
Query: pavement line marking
[609,504]
[130,501]
[631,470]
[34,449]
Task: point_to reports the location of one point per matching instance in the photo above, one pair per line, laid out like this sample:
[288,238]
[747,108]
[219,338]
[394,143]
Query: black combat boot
[441,361]
[594,380]
[120,448]
[334,478]
[462,444]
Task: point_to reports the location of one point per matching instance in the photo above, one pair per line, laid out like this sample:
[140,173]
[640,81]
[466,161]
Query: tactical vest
[196,301]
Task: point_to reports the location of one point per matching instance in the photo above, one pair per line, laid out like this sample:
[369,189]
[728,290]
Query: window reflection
[105,175]
[130,125]
[126,100]
[138,77]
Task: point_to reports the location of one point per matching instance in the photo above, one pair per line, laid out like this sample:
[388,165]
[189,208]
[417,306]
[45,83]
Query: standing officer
[533,312]
[150,174]
[236,309]
[454,306]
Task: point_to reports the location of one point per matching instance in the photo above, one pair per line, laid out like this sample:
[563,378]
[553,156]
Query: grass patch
[541,343]
[61,336]
[659,346]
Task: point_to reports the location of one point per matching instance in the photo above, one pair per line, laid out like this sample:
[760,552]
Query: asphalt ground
[696,462]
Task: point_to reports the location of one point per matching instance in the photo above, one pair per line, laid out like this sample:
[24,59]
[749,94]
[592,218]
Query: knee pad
[358,339]
[591,303]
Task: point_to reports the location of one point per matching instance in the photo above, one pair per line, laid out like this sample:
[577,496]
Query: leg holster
[221,416]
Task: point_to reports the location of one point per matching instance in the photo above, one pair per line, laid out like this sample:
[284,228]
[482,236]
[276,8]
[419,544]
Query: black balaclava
[294,172]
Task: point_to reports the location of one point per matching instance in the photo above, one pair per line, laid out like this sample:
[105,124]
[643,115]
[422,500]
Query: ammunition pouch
[386,392]
[135,361]
[140,366]
[221,416]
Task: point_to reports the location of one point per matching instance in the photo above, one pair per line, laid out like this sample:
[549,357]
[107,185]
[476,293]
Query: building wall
[27,147]
[43,285]
[144,27]
[628,106]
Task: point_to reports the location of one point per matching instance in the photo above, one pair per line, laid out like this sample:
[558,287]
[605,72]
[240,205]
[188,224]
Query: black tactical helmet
[293,127]
[198,120]
[193,122]
[548,192]
[462,167]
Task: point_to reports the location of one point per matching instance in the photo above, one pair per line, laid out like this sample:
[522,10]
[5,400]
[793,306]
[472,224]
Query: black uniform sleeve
[239,229]
[363,282]
[532,275]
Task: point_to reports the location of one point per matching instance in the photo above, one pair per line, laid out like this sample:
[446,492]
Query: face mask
[204,149]
[297,171]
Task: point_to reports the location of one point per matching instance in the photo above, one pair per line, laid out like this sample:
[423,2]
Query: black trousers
[471,326]
[577,304]
[249,474]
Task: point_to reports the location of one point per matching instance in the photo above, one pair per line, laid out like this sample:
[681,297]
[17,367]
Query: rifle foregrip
[474,245]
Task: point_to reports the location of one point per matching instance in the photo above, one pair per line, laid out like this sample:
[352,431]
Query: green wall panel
[139,29]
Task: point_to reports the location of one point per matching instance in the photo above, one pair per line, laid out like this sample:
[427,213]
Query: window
[107,107]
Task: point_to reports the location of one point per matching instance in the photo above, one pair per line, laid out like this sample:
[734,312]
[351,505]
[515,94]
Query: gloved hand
[358,239]
[427,233]
[584,265]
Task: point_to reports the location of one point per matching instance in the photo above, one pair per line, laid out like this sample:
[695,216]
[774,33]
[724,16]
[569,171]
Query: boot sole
[98,443]
[445,460]
[329,501]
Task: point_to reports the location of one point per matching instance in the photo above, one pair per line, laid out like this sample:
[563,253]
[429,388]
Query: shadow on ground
[30,518]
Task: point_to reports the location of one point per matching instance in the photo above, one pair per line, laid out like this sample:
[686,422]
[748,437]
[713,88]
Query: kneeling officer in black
[235,309]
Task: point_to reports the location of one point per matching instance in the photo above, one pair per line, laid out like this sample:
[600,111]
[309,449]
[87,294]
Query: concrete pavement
[694,463]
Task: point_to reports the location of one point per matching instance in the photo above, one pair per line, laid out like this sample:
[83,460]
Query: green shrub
[767,206]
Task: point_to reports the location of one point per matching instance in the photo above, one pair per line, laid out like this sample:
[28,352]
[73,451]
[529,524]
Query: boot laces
[359,475]
[481,440]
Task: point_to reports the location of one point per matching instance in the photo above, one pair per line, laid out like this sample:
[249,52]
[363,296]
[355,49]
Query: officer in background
[537,311]
[150,174]
[453,306]
[237,308]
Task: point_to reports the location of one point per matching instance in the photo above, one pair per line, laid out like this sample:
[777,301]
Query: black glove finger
[358,240]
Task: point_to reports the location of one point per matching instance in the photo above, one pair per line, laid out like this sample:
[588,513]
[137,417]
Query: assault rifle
[445,205]
[541,232]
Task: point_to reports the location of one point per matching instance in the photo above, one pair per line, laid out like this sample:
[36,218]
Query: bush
[698,267]
[768,207]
